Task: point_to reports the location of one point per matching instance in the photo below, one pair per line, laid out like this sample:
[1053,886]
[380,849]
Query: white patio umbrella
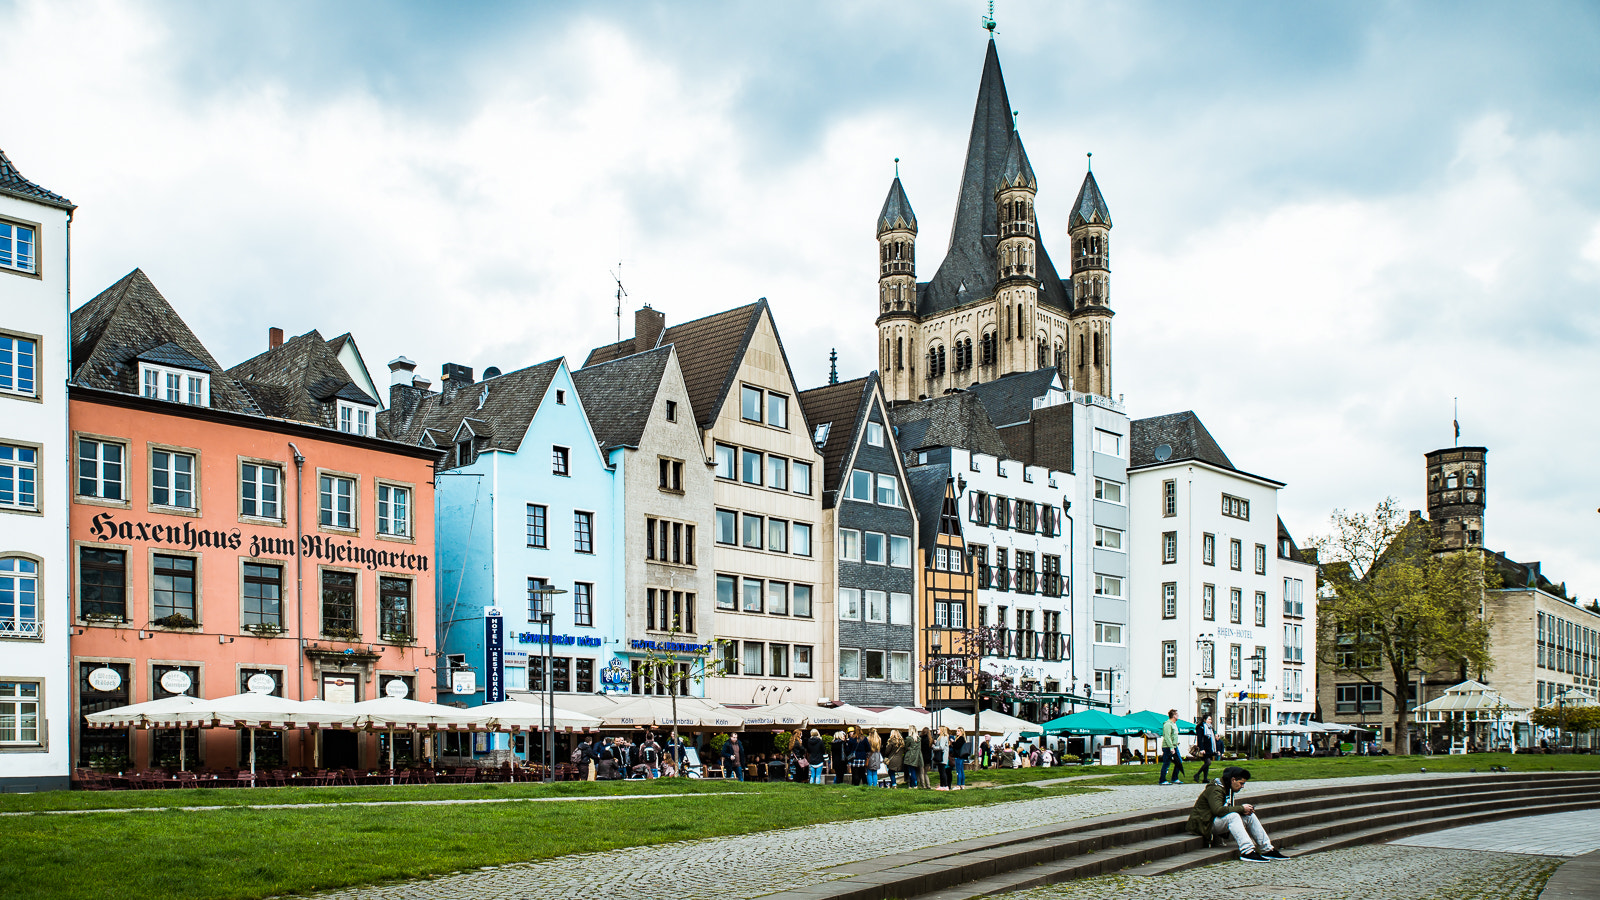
[953,719]
[516,715]
[855,715]
[657,711]
[180,711]
[393,712]
[790,715]
[992,722]
[251,711]
[901,717]
[325,714]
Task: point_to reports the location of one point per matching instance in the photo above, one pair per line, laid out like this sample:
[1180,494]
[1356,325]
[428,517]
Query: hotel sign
[107,527]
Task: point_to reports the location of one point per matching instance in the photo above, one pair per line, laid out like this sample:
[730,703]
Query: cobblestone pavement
[1557,834]
[750,865]
[1378,872]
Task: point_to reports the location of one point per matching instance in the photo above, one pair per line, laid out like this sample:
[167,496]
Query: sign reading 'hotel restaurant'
[106,527]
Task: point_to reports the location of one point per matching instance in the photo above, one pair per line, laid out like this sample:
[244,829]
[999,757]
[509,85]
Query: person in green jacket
[1169,748]
[1218,812]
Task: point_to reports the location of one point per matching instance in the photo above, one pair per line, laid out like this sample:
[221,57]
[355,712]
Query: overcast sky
[1330,220]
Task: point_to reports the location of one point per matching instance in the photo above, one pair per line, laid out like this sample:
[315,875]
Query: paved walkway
[145,809]
[1558,834]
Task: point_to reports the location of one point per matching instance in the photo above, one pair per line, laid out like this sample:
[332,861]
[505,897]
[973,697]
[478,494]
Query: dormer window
[875,434]
[175,385]
[354,418]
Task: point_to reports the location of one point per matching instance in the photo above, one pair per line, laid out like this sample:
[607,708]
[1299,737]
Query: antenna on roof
[833,365]
[1014,114]
[897,167]
[621,292]
[988,21]
[1091,161]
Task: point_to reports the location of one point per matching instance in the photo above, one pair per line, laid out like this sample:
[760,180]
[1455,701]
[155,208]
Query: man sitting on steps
[1217,812]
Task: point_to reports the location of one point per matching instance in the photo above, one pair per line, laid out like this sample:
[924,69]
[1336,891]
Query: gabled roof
[301,379]
[953,420]
[896,210]
[843,407]
[1294,549]
[508,405]
[1090,208]
[1009,400]
[620,395]
[131,318]
[1182,433]
[13,184]
[928,484]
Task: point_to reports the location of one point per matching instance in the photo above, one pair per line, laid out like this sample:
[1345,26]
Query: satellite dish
[1163,453]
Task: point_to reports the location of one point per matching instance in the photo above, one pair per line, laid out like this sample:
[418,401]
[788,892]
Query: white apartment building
[35,346]
[1223,604]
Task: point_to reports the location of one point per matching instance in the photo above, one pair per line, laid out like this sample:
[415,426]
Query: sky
[1331,220]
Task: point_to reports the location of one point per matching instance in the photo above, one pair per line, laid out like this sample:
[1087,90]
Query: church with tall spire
[996,305]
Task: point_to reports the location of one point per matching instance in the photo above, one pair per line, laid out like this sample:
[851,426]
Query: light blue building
[524,500]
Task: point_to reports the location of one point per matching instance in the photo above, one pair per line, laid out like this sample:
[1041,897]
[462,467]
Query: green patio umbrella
[1091,722]
[1151,721]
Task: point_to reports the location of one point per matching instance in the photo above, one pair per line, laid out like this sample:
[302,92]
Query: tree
[1400,604]
[1569,718]
[961,663]
[675,670]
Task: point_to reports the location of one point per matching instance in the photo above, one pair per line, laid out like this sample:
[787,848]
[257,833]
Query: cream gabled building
[996,305]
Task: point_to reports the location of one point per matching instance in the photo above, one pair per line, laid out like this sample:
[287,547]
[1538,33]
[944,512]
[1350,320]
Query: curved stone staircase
[1153,842]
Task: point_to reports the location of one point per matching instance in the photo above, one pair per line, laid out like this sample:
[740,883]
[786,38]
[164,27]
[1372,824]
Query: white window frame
[883,540]
[899,608]
[17,473]
[874,434]
[19,584]
[164,387]
[1108,538]
[387,525]
[327,501]
[13,706]
[903,542]
[859,486]
[171,471]
[890,485]
[849,664]
[883,665]
[260,487]
[1169,659]
[899,666]
[850,604]
[1169,600]
[11,257]
[1102,582]
[355,418]
[849,545]
[875,606]
[1107,442]
[99,463]
[1111,634]
[1103,487]
[11,365]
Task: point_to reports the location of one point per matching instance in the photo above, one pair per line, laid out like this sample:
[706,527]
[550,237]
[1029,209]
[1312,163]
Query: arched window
[1097,348]
[1450,482]
[1472,478]
[1082,357]
[19,597]
[899,359]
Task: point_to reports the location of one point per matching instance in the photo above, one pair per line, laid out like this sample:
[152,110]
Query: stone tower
[1016,288]
[1456,496]
[897,291]
[1090,345]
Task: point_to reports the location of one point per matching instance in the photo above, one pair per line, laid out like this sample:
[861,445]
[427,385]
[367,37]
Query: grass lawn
[248,853]
[1264,770]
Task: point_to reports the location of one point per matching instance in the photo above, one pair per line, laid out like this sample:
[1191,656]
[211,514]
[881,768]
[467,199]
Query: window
[1235,600]
[394,510]
[800,545]
[752,595]
[754,658]
[1107,538]
[778,598]
[672,410]
[263,595]
[750,466]
[100,469]
[1108,633]
[582,604]
[875,434]
[1208,660]
[1169,498]
[899,667]
[172,587]
[802,662]
[671,475]
[19,597]
[171,479]
[899,608]
[1109,491]
[727,527]
[336,501]
[888,491]
[850,604]
[19,706]
[1293,643]
[394,607]
[1208,549]
[752,531]
[1261,608]
[1169,547]
[18,358]
[175,385]
[19,476]
[1169,600]
[876,605]
[1294,597]
[354,419]
[666,541]
[800,600]
[538,526]
[1108,442]
[849,545]
[583,532]
[859,486]
[849,663]
[801,482]
[1169,659]
[1104,679]
[778,654]
[559,459]
[900,551]
[1236,507]
[726,588]
[258,491]
[1235,554]
[750,403]
[872,548]
[338,603]
[778,473]
[1235,662]
[1208,602]
[777,410]
[1108,585]
[872,665]
[725,457]
[1261,559]
[102,582]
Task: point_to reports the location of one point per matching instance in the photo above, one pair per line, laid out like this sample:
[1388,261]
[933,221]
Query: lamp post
[1258,666]
[547,629]
[938,678]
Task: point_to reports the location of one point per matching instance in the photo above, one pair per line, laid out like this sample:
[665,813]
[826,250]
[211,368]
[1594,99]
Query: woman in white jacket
[941,757]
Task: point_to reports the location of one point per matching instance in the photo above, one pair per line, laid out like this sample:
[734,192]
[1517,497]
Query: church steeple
[897,285]
[1090,350]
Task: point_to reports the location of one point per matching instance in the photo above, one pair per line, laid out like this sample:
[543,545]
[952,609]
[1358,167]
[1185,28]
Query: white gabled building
[1222,602]
[35,678]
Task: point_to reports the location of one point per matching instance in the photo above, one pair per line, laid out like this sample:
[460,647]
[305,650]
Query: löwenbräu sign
[106,527]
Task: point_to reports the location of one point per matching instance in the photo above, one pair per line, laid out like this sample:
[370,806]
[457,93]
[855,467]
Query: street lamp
[1258,668]
[547,630]
[938,678]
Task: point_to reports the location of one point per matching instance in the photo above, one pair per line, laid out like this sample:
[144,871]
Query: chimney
[274,338]
[421,383]
[400,370]
[647,327]
[453,376]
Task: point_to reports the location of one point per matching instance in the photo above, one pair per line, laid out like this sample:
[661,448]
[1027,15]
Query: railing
[21,628]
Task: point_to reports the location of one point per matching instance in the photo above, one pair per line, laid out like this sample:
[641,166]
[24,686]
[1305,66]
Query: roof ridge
[12,182]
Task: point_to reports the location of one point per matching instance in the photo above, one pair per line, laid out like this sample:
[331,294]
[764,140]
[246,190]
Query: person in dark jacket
[859,751]
[1218,812]
[733,758]
[816,752]
[927,758]
[960,752]
[1205,736]
[911,761]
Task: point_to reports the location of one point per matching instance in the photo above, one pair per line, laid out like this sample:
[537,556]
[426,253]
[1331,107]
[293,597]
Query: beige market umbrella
[992,722]
[180,711]
[394,712]
[657,711]
[788,716]
[855,715]
[516,715]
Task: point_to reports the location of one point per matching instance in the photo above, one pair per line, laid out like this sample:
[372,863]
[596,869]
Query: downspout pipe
[299,568]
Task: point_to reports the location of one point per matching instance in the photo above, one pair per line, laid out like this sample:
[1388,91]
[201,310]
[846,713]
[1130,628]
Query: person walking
[733,758]
[1169,745]
[895,756]
[874,756]
[1218,812]
[1206,739]
[816,752]
[941,757]
[985,754]
[960,749]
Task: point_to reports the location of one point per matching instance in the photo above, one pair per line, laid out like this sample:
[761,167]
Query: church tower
[897,292]
[1089,350]
[1456,497]
[1016,255]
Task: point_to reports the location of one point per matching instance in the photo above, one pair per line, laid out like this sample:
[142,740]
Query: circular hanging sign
[104,679]
[176,682]
[261,683]
[396,688]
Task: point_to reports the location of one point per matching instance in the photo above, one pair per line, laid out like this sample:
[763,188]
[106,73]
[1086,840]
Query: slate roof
[970,268]
[710,350]
[953,420]
[131,318]
[302,379]
[843,407]
[508,409]
[13,184]
[927,485]
[896,210]
[1294,549]
[1017,171]
[1090,207]
[1009,400]
[619,396]
[1183,432]
[170,354]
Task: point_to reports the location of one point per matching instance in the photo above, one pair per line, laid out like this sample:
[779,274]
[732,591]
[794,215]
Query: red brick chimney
[647,327]
[274,338]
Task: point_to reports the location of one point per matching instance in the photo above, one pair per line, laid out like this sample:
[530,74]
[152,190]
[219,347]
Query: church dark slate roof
[1009,400]
[302,379]
[843,407]
[499,408]
[12,183]
[1090,208]
[927,487]
[129,319]
[1183,432]
[1017,171]
[953,420]
[619,396]
[896,210]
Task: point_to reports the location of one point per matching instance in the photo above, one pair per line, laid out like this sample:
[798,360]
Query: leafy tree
[1571,719]
[675,671]
[961,660]
[1400,604]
